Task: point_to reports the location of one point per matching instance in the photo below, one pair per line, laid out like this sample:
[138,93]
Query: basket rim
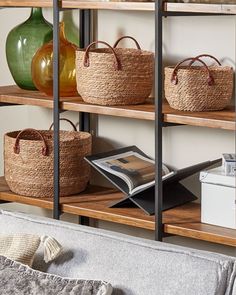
[129,51]
[83,136]
[197,68]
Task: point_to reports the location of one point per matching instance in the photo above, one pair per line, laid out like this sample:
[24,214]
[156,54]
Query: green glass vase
[22,43]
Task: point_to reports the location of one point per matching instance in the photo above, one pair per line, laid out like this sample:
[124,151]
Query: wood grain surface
[95,201]
[201,8]
[224,119]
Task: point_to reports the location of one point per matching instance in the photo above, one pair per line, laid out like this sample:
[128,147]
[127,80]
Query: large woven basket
[28,157]
[199,88]
[114,76]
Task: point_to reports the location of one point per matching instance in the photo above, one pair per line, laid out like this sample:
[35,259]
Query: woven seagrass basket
[199,88]
[28,157]
[114,76]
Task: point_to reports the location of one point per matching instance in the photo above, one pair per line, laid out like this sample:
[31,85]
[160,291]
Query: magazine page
[137,171]
[133,168]
[164,176]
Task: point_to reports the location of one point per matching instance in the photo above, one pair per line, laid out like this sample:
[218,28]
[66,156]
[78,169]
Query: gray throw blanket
[19,279]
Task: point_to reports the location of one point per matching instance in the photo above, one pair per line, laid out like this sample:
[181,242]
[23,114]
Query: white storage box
[218,205]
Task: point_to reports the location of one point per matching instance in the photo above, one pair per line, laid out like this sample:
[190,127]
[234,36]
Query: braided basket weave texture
[102,84]
[193,93]
[30,173]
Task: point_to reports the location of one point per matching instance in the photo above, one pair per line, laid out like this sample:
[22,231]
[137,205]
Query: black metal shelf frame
[85,39]
[159,15]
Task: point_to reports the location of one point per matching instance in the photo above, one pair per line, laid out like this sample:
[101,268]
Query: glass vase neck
[62,32]
[36,12]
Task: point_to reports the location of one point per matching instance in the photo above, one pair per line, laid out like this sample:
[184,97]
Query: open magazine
[136,170]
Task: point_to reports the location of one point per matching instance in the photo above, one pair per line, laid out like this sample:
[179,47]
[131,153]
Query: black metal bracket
[84,220]
[3,104]
[166,124]
[62,111]
[69,8]
[173,13]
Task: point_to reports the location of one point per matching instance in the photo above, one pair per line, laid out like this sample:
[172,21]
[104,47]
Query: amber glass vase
[22,43]
[42,67]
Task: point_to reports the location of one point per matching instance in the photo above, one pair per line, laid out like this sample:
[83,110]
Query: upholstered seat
[133,266]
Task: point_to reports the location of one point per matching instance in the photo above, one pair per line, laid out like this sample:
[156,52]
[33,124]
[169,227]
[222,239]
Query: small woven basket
[199,88]
[28,157]
[114,76]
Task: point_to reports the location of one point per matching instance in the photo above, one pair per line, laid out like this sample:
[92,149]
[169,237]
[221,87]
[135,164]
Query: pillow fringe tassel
[52,248]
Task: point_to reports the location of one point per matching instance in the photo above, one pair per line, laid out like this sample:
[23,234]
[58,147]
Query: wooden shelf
[94,202]
[27,3]
[201,8]
[15,95]
[112,5]
[143,111]
[219,119]
[122,5]
[225,119]
[150,6]
[203,232]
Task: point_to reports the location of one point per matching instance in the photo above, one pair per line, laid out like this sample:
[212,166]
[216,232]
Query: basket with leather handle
[199,88]
[28,157]
[114,76]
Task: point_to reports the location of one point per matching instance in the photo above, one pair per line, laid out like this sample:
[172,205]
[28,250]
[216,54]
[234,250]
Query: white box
[218,204]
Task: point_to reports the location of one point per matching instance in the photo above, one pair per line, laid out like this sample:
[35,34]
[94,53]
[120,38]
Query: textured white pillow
[22,247]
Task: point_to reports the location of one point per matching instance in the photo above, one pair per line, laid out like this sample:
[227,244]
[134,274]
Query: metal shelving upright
[85,39]
[56,109]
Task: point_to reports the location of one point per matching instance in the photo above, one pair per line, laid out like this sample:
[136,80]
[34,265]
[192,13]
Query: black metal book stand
[174,193]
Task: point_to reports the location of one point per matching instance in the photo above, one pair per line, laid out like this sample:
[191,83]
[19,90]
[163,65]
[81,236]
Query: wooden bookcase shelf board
[224,119]
[113,5]
[27,3]
[203,232]
[118,5]
[219,119]
[143,111]
[201,8]
[183,220]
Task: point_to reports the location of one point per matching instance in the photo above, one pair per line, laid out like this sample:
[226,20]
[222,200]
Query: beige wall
[182,145]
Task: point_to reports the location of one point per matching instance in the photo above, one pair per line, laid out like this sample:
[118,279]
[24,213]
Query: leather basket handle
[30,130]
[206,55]
[127,37]
[174,76]
[67,120]
[117,65]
